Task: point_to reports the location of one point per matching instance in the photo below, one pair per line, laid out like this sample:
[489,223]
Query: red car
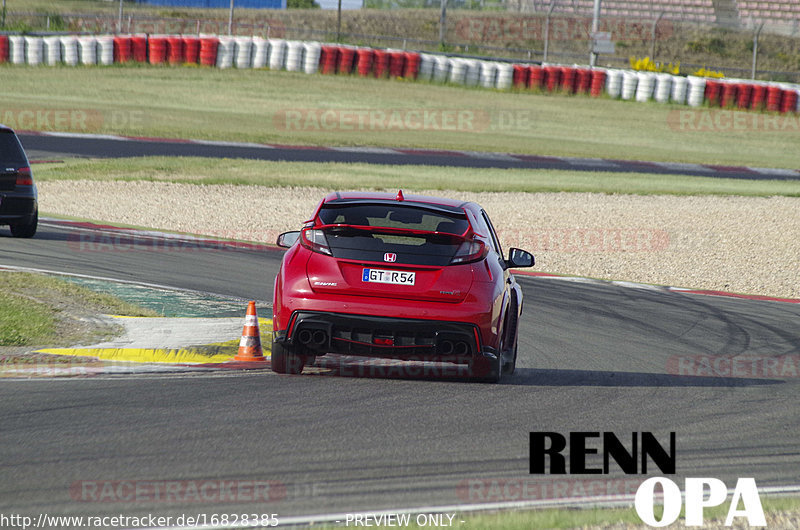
[413,278]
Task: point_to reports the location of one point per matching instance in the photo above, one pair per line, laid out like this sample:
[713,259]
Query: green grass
[33,309]
[337,176]
[23,321]
[248,105]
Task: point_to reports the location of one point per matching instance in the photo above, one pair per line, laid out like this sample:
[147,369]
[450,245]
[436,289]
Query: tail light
[315,241]
[469,251]
[24,177]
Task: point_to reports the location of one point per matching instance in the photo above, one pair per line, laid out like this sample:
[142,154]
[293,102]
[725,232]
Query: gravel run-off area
[739,244]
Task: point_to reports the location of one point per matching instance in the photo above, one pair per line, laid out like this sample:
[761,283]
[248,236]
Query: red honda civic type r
[413,278]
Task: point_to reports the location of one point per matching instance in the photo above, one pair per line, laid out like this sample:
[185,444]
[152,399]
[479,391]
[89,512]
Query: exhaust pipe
[446,347]
[320,337]
[461,348]
[304,336]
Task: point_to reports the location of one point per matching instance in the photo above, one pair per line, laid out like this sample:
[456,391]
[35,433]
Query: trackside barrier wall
[312,57]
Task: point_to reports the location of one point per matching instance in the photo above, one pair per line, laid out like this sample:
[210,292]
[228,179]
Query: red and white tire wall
[313,57]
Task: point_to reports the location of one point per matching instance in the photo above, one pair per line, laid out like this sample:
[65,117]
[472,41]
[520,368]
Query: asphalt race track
[593,357]
[56,145]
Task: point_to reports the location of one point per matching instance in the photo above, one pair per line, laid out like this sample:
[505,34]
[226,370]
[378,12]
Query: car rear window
[11,153]
[350,242]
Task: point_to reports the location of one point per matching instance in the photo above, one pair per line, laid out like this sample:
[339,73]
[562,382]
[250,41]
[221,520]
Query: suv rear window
[412,249]
[11,153]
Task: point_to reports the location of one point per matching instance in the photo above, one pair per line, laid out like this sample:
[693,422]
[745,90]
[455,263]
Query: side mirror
[287,239]
[519,258]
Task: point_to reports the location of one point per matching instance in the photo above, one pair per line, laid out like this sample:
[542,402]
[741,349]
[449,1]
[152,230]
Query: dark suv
[19,204]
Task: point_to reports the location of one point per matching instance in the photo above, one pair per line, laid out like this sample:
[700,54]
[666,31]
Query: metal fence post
[547,30]
[653,36]
[755,50]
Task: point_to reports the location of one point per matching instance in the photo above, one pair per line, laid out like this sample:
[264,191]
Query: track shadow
[343,366]
[579,378]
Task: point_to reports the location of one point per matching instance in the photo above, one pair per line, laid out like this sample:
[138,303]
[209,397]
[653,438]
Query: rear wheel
[25,228]
[510,357]
[286,361]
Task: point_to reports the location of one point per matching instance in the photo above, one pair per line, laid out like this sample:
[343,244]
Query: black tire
[510,366]
[285,361]
[25,228]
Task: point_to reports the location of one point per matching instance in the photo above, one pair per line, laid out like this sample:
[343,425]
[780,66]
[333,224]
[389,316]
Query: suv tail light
[314,240]
[24,177]
[469,251]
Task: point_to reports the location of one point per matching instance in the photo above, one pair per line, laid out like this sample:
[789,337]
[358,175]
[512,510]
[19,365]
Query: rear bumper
[15,208]
[317,333]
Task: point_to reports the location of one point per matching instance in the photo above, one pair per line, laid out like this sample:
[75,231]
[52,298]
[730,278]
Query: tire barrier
[174,50]
[139,48]
[294,56]
[105,50]
[242,52]
[69,50]
[425,67]
[397,64]
[123,49]
[208,51]
[663,89]
[614,83]
[87,47]
[458,72]
[535,77]
[645,86]
[679,90]
[630,80]
[381,63]
[260,52]
[16,49]
[277,53]
[157,50]
[729,93]
[441,67]
[346,61]
[364,59]
[33,50]
[412,65]
[312,57]
[311,53]
[774,98]
[505,76]
[598,80]
[3,48]
[191,50]
[697,87]
[52,50]
[225,48]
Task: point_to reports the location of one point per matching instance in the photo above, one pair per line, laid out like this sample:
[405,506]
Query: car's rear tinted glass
[11,153]
[412,249]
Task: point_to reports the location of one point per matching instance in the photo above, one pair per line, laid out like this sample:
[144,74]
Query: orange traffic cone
[250,345]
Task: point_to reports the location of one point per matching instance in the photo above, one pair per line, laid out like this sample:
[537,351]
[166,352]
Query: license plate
[393,277]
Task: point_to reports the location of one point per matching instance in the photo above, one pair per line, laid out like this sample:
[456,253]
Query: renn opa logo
[584,458]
